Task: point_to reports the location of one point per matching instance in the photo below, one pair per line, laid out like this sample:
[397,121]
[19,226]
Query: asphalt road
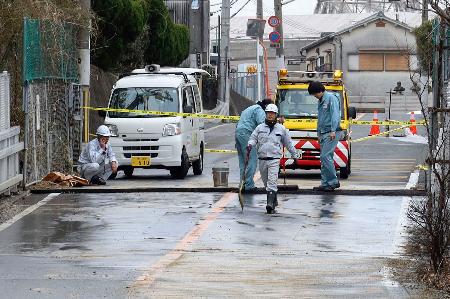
[159,245]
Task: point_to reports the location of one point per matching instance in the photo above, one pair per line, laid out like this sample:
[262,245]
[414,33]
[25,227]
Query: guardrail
[10,147]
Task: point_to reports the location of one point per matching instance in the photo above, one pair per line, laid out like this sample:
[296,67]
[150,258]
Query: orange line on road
[150,274]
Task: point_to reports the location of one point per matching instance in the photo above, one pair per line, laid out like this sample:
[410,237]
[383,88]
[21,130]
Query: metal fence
[10,146]
[53,132]
[246,85]
[52,101]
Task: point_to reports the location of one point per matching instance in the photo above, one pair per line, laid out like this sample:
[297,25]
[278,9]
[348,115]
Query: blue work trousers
[241,146]
[327,168]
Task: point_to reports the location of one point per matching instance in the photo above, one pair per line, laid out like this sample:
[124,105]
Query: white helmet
[103,131]
[272,108]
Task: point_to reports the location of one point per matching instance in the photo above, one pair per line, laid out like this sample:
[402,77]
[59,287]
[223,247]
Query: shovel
[284,168]
[241,187]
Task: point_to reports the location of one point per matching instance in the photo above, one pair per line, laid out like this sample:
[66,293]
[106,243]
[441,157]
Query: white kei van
[149,141]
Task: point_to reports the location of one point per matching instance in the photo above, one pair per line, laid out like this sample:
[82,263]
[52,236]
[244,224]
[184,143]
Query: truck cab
[300,112]
[145,140]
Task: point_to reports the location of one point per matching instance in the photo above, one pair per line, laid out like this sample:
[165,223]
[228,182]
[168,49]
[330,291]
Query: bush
[424,40]
[168,43]
[119,23]
[136,32]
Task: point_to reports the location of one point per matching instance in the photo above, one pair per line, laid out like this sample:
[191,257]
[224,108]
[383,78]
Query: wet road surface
[380,163]
[157,245]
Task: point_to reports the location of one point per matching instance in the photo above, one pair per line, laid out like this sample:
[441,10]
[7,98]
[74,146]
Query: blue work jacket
[250,119]
[329,113]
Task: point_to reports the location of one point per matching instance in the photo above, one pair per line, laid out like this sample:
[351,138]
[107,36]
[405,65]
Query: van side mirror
[352,112]
[102,113]
[188,109]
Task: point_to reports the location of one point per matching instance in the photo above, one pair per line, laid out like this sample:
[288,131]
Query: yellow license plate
[140,161]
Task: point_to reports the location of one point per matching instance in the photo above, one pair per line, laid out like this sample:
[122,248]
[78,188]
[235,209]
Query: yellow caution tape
[387,123]
[236,118]
[221,151]
[422,167]
[148,112]
[377,135]
[364,122]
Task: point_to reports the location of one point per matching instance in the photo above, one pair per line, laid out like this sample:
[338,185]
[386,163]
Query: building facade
[374,54]
[195,15]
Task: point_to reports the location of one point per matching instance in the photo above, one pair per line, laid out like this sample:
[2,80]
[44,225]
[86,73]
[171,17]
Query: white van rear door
[189,122]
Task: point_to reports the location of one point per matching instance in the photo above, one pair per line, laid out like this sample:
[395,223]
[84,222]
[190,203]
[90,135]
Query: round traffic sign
[274,21]
[274,36]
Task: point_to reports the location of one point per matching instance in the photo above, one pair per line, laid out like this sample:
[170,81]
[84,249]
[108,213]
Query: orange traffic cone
[413,127]
[375,129]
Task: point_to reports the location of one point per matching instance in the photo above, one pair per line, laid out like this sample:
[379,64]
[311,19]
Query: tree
[132,33]
[168,43]
[431,216]
[424,43]
[119,23]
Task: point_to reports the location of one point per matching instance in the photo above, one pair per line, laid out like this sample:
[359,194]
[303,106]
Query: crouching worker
[269,139]
[97,162]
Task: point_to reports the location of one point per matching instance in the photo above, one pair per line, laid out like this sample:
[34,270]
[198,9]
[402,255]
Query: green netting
[49,51]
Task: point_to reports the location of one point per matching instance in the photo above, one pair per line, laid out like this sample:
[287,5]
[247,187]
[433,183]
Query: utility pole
[199,33]
[259,15]
[219,26]
[224,84]
[424,11]
[84,65]
[280,51]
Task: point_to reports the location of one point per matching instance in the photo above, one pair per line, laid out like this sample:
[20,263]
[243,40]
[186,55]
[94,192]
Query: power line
[220,9]
[287,2]
[232,16]
[291,22]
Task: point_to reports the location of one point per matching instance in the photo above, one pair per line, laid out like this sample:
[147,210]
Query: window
[188,99]
[143,98]
[397,62]
[371,62]
[197,99]
[298,103]
[382,61]
[329,58]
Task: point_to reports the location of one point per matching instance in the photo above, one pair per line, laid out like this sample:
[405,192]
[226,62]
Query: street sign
[274,21]
[255,28]
[275,37]
[275,45]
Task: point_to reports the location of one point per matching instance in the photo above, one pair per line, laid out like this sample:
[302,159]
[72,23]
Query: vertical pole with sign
[258,72]
[255,29]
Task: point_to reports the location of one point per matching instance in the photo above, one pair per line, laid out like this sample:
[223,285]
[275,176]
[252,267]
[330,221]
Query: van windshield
[298,103]
[143,98]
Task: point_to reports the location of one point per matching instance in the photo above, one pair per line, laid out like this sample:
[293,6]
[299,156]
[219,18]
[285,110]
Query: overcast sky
[297,7]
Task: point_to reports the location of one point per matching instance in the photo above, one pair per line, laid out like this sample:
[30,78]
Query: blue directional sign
[274,36]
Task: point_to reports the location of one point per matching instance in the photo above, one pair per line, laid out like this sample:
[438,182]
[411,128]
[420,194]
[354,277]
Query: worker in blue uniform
[328,132]
[249,120]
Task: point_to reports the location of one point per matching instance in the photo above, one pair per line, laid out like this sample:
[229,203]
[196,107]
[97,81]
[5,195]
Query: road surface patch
[150,274]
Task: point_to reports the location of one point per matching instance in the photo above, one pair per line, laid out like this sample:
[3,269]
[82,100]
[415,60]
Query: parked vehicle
[143,140]
[295,103]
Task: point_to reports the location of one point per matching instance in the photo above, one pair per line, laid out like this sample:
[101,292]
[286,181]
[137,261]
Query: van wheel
[197,165]
[128,172]
[344,172]
[181,171]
